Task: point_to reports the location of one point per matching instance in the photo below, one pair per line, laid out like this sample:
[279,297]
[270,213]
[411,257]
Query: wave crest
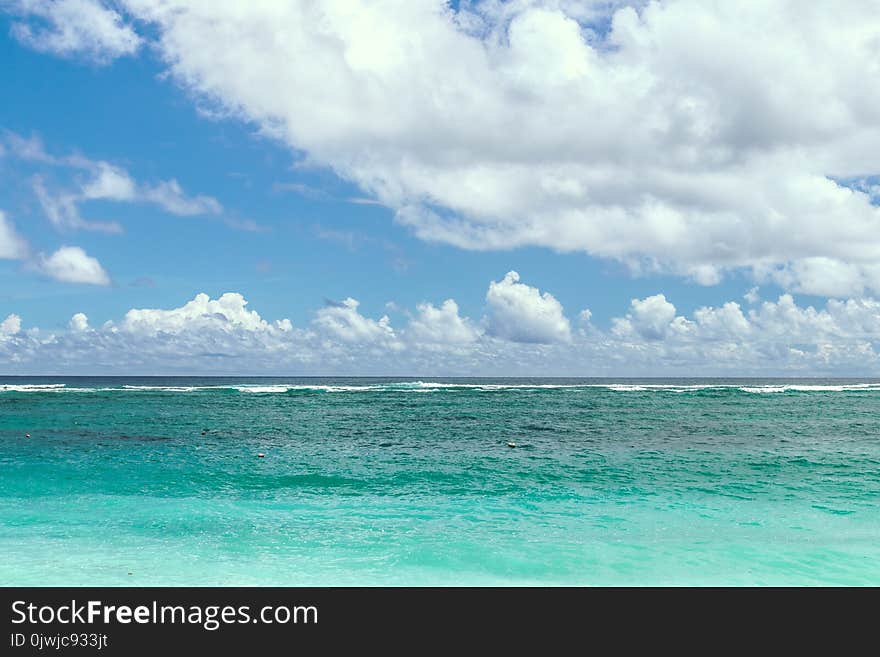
[438,386]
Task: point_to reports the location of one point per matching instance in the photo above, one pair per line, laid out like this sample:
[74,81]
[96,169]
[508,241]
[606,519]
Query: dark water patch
[833,511]
[542,427]
[142,439]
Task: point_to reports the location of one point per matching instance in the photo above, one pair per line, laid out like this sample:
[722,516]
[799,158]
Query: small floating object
[261,455]
[27,435]
[511,444]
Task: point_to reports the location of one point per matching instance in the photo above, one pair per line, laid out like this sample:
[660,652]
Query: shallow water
[391,481]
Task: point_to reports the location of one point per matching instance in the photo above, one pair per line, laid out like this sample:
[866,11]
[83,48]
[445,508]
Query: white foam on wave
[167,388]
[757,389]
[620,387]
[262,389]
[853,387]
[645,387]
[45,387]
[431,386]
[669,387]
[321,388]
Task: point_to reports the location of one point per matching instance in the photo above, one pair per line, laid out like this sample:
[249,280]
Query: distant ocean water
[157,481]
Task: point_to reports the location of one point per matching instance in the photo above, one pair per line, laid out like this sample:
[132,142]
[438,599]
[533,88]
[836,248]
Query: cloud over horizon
[223,336]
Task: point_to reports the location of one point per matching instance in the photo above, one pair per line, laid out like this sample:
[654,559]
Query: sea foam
[438,386]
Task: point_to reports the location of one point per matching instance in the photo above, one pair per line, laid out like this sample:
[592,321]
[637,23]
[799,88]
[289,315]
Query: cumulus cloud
[227,313]
[777,337]
[73,27]
[825,276]
[654,318]
[79,322]
[727,321]
[441,325]
[779,322]
[223,336]
[11,325]
[650,317]
[343,321]
[677,135]
[519,312]
[71,264]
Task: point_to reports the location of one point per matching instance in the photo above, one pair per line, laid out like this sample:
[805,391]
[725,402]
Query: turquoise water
[394,482]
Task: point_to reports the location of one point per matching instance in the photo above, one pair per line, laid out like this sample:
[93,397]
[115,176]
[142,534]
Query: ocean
[367,481]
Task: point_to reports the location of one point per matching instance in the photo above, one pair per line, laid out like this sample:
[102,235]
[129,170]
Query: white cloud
[97,180]
[727,321]
[343,321]
[62,210]
[30,148]
[784,318]
[170,196]
[651,317]
[778,322]
[12,246]
[692,137]
[70,264]
[108,182]
[521,313]
[441,325]
[68,27]
[776,338]
[825,276]
[228,314]
[223,336]
[79,322]
[11,325]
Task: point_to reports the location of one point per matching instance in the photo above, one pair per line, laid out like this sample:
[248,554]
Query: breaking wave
[436,386]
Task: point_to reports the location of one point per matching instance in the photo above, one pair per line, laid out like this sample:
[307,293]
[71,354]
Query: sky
[532,187]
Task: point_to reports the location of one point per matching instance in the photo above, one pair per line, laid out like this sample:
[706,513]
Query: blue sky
[294,237]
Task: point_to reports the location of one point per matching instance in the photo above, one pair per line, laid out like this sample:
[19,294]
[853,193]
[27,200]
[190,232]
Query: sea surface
[158,481]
